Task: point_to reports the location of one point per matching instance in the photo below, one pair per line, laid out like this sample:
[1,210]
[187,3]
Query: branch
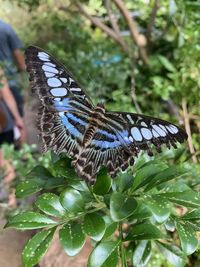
[97,22]
[113,22]
[138,38]
[152,20]
[188,130]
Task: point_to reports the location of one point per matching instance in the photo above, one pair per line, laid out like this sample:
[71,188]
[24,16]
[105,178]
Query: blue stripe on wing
[76,119]
[62,105]
[73,131]
[110,135]
[105,144]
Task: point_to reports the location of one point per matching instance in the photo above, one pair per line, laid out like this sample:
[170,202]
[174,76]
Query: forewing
[64,107]
[50,78]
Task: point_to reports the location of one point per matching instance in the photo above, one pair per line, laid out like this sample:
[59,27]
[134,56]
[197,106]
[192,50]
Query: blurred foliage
[106,72]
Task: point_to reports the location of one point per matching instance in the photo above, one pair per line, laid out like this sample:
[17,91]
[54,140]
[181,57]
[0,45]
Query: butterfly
[93,137]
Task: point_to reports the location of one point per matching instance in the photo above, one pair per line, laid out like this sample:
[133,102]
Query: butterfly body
[93,137]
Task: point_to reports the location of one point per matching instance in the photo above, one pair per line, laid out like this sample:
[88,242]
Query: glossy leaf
[144,231]
[172,253]
[30,220]
[142,211]
[72,238]
[194,215]
[49,203]
[188,237]
[142,253]
[63,168]
[164,176]
[123,182]
[145,175]
[187,198]
[103,183]
[39,178]
[159,206]
[121,206]
[94,226]
[72,200]
[110,227]
[37,247]
[105,254]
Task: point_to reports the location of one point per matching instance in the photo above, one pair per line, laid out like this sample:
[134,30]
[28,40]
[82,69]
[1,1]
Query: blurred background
[137,56]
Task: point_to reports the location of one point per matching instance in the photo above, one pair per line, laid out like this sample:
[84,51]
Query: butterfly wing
[142,131]
[121,136]
[64,110]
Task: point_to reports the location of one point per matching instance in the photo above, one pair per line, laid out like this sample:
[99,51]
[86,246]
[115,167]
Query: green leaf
[192,216]
[188,237]
[63,168]
[121,206]
[187,198]
[27,188]
[72,200]
[72,238]
[105,254]
[110,227]
[166,63]
[142,212]
[30,220]
[172,253]
[94,226]
[164,176]
[145,175]
[103,183]
[39,178]
[142,253]
[123,182]
[144,231]
[37,247]
[49,203]
[159,207]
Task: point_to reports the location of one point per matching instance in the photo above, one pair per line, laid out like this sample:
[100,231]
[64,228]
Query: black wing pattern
[69,122]
[120,137]
[64,110]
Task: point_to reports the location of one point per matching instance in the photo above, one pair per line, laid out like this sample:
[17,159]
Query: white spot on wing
[50,64]
[136,134]
[43,58]
[146,133]
[144,124]
[43,54]
[49,74]
[70,80]
[130,138]
[49,69]
[159,130]
[54,82]
[155,134]
[63,80]
[129,118]
[173,129]
[57,98]
[75,89]
[59,91]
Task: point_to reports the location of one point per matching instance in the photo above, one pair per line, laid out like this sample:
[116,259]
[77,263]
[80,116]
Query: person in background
[12,61]
[9,118]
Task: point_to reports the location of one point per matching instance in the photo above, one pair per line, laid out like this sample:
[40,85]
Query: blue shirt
[9,41]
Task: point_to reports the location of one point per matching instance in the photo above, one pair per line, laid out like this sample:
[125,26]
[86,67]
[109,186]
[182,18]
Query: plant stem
[123,252]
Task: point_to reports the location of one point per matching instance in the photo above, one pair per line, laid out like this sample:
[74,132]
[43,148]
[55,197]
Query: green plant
[124,217]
